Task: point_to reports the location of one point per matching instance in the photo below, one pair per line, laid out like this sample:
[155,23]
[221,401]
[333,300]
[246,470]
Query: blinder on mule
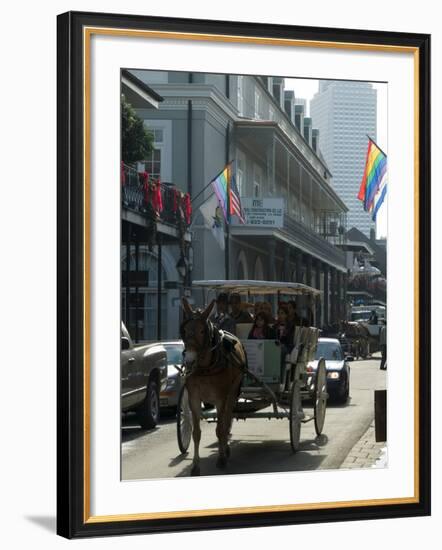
[208,328]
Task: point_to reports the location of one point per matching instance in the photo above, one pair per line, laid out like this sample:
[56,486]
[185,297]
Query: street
[258,445]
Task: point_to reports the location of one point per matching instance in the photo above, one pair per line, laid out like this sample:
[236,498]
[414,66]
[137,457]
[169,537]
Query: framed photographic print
[243,210]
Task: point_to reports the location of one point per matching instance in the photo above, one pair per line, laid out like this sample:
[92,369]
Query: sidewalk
[367,453]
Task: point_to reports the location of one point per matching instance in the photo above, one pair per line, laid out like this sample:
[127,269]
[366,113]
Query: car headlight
[333,375]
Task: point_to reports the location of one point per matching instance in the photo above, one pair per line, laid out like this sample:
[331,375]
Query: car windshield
[331,351]
[174,354]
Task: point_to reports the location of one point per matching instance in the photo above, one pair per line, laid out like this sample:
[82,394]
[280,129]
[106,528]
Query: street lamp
[182,267]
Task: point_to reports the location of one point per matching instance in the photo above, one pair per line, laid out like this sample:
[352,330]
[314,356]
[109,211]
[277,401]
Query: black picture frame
[72,392]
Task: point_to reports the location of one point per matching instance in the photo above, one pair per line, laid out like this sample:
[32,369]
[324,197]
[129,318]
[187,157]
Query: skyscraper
[345,113]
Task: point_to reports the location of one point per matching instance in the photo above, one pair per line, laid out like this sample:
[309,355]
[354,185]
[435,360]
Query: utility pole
[227,233]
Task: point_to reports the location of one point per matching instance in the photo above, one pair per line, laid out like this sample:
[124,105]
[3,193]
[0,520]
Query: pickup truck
[143,377]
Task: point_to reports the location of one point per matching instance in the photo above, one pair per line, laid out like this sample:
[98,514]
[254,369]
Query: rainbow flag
[373,187]
[221,185]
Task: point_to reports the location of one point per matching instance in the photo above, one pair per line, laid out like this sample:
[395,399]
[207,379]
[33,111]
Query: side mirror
[125,344]
[349,358]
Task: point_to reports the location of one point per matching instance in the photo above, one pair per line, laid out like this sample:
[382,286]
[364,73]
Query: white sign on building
[263,212]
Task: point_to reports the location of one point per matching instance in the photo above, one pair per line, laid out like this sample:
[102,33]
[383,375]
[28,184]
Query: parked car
[337,367]
[169,395]
[143,377]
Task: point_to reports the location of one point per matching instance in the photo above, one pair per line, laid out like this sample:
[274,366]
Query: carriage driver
[222,319]
[237,313]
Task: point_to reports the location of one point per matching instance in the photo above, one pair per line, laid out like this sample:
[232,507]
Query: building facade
[207,120]
[345,113]
[154,238]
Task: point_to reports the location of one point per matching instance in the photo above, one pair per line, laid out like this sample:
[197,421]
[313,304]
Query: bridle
[212,344]
[209,328]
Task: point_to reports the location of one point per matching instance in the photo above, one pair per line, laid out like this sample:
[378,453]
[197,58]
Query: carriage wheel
[184,421]
[320,396]
[296,416]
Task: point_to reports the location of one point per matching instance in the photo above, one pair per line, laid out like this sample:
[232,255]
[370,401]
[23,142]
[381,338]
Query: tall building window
[277,92]
[152,164]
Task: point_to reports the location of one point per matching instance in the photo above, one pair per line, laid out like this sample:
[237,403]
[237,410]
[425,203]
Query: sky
[306,88]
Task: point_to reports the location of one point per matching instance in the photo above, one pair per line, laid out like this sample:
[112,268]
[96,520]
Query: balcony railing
[319,238]
[158,201]
[375,286]
[310,240]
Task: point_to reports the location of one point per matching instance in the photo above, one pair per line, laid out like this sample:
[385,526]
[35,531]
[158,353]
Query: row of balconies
[314,242]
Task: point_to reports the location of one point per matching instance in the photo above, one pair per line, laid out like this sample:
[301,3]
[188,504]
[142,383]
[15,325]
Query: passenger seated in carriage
[308,318]
[257,308]
[261,329]
[237,312]
[282,325]
[292,315]
[222,319]
[301,320]
[267,308]
[293,321]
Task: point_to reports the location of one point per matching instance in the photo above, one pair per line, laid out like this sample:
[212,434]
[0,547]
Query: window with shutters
[159,163]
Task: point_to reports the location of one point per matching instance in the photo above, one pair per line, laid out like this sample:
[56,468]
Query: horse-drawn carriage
[359,339]
[268,382]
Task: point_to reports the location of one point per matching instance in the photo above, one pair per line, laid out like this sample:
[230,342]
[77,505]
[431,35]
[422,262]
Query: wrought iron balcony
[376,287]
[166,204]
[268,217]
[313,242]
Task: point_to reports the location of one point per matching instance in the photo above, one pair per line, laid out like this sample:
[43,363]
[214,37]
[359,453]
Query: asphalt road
[258,445]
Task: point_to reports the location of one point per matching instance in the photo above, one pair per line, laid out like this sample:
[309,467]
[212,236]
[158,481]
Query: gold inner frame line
[87,33]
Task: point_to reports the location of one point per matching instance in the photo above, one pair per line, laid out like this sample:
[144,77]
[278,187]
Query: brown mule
[358,333]
[214,364]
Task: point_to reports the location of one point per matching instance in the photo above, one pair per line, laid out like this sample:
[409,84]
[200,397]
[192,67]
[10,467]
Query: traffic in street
[257,445]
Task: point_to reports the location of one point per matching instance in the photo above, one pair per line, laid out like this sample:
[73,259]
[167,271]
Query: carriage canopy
[241,286]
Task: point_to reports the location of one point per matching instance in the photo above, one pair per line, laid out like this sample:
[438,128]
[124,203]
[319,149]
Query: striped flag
[235,201]
[373,187]
[227,193]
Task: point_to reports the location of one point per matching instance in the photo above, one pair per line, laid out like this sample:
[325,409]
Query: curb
[366,453]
